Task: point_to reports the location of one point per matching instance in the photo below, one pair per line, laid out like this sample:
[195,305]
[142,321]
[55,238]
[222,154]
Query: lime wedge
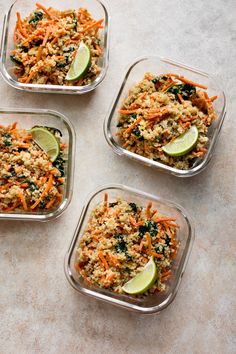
[46,141]
[142,281]
[80,64]
[183,144]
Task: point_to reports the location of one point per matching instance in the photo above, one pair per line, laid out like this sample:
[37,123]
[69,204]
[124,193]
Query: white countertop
[39,311]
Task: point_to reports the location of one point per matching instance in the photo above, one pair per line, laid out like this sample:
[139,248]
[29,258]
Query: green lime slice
[183,144]
[80,64]
[46,141]
[142,281]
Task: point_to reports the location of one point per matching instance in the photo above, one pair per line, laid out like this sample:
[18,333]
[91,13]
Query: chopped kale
[137,133]
[119,237]
[74,23]
[159,249]
[37,16]
[50,129]
[119,125]
[167,240]
[128,257]
[69,48]
[155,158]
[121,244]
[121,247]
[32,185]
[134,115]
[61,64]
[133,207]
[59,164]
[111,205]
[15,60]
[7,139]
[159,78]
[185,90]
[149,226]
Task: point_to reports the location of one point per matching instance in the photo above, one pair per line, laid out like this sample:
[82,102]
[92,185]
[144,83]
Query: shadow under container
[97,9]
[159,66]
[27,119]
[185,235]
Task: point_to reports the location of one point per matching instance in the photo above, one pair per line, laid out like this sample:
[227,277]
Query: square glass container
[185,235]
[25,7]
[26,119]
[157,65]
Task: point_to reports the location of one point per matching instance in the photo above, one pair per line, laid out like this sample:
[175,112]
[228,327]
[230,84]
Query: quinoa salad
[118,242]
[29,180]
[161,108]
[46,42]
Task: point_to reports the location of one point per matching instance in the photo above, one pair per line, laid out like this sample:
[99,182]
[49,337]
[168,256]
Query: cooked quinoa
[29,181]
[119,240]
[46,43]
[159,109]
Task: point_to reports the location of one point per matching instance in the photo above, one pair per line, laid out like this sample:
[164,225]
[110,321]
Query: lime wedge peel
[80,64]
[143,280]
[46,141]
[183,144]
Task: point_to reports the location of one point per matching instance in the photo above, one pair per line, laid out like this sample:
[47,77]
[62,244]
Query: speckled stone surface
[39,311]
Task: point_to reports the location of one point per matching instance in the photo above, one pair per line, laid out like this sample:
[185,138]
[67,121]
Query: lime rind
[183,144]
[46,141]
[80,64]
[143,280]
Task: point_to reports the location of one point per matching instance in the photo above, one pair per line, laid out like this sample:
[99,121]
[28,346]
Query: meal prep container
[26,119]
[185,235]
[25,7]
[158,66]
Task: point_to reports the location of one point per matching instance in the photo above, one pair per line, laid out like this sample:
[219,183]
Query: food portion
[166,119]
[127,248]
[31,168]
[51,44]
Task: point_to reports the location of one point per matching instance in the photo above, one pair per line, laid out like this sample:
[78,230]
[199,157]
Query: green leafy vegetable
[185,90]
[149,226]
[37,16]
[7,139]
[111,205]
[133,207]
[15,60]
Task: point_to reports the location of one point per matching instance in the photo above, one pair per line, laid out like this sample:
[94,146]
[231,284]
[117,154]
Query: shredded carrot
[165,275]
[95,24]
[186,81]
[41,7]
[164,219]
[127,111]
[180,98]
[32,73]
[105,201]
[22,199]
[46,190]
[141,246]
[148,209]
[19,25]
[156,255]
[113,260]
[213,98]
[141,96]
[50,203]
[172,83]
[130,128]
[103,259]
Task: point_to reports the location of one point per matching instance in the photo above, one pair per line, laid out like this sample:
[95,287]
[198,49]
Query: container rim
[118,302]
